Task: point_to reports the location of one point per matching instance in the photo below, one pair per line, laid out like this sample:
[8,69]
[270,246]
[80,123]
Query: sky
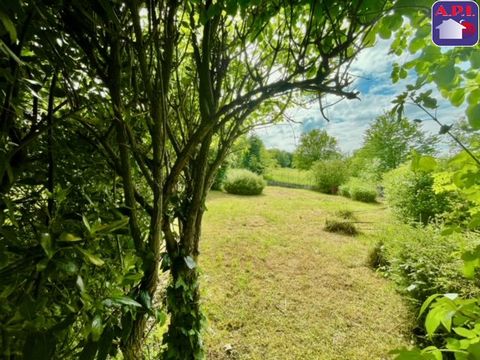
[350,118]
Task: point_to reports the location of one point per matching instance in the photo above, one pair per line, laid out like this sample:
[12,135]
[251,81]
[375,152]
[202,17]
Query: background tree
[255,157]
[282,158]
[389,141]
[314,146]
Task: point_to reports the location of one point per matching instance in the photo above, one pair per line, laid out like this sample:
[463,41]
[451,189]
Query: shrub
[344,190]
[243,182]
[341,226]
[411,195]
[359,190]
[329,175]
[364,194]
[423,261]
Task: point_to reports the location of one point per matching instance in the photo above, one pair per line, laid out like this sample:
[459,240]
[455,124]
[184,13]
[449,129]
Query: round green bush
[363,194]
[243,182]
[329,175]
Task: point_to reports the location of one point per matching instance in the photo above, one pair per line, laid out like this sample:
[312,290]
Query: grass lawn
[289,176]
[276,286]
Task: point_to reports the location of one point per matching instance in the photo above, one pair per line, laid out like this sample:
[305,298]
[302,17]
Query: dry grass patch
[277,286]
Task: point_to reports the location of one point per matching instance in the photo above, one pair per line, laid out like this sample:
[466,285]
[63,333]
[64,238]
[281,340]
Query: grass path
[276,286]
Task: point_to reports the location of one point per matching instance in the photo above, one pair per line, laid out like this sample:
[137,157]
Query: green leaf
[7,51]
[161,317]
[95,260]
[474,351]
[444,76]
[458,97]
[9,26]
[417,44]
[67,237]
[80,284]
[433,320]
[42,264]
[471,260]
[86,223]
[96,328]
[146,300]
[427,303]
[108,228]
[466,333]
[475,59]
[473,115]
[434,352]
[125,300]
[46,243]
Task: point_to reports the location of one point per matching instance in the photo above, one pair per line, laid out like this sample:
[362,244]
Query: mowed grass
[290,176]
[276,286]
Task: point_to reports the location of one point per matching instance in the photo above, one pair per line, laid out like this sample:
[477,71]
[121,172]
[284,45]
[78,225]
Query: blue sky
[350,118]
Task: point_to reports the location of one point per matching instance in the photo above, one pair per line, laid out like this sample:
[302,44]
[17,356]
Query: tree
[283,158]
[159,91]
[314,146]
[391,140]
[255,156]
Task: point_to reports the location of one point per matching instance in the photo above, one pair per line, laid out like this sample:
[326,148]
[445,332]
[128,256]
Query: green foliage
[412,197]
[255,157]
[423,261]
[455,323]
[390,141]
[243,182]
[182,297]
[72,287]
[283,159]
[315,145]
[358,189]
[329,175]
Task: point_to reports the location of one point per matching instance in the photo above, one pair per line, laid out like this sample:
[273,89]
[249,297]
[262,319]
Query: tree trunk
[183,338]
[132,348]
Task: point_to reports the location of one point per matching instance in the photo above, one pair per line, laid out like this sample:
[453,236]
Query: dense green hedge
[423,262]
[243,182]
[356,189]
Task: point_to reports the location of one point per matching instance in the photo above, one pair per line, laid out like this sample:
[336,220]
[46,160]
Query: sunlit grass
[289,176]
[276,286]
